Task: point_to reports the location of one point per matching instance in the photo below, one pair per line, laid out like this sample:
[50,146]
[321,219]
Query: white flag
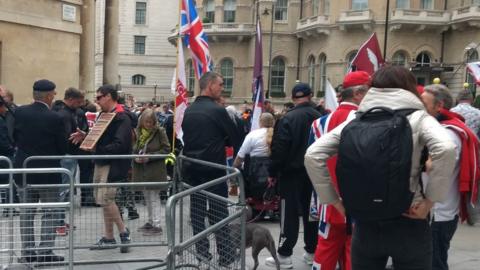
[331,102]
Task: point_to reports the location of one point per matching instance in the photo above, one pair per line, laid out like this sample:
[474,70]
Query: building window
[315,7]
[191,76]
[139,44]
[226,69]
[281,9]
[311,71]
[472,56]
[399,59]
[475,2]
[209,10]
[359,4]
[423,60]
[278,76]
[138,79]
[229,7]
[140,13]
[349,59]
[403,4]
[426,4]
[326,7]
[323,72]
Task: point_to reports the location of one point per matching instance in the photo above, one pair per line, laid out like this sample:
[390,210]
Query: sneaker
[308,258]
[104,243]
[153,231]
[285,262]
[133,214]
[125,239]
[145,227]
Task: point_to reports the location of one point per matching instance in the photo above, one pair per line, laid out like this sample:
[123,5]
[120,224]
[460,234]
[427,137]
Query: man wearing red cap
[334,240]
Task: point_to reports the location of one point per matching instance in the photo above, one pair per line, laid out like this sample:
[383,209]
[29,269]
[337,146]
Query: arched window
[359,4]
[399,59]
[229,7]
[311,71]
[278,75]
[315,7]
[323,72]
[191,76]
[138,79]
[281,10]
[209,7]
[423,60]
[350,56]
[471,56]
[226,69]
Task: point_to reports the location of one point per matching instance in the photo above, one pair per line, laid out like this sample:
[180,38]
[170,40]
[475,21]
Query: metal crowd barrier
[197,249]
[14,244]
[173,249]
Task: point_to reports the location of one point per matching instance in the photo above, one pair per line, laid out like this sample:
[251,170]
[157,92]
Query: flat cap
[44,86]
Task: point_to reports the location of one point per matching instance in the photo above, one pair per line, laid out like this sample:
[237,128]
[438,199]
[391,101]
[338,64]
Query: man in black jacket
[207,130]
[116,140]
[289,144]
[39,132]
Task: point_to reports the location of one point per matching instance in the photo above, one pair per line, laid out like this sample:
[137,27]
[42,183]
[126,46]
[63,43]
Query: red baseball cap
[356,78]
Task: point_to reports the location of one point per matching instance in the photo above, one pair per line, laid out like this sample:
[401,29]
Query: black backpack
[374,164]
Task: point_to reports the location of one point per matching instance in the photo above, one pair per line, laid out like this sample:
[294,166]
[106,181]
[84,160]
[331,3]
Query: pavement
[464,252]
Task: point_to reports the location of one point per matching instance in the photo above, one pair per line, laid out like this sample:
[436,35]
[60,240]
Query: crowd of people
[388,174]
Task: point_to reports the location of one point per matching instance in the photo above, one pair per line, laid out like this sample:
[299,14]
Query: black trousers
[203,206]
[442,234]
[407,241]
[295,192]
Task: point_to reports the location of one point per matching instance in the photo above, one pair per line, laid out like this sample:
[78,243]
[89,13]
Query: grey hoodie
[426,131]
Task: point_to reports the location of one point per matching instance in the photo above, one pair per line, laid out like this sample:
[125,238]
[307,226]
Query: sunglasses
[99,97]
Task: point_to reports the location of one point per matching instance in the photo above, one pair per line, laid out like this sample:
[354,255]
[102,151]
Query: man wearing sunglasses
[116,140]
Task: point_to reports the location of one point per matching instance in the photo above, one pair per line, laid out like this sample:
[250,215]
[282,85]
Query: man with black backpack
[378,173]
[334,239]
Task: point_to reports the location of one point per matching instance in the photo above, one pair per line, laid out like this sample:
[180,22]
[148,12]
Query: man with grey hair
[39,132]
[207,130]
[438,101]
[465,109]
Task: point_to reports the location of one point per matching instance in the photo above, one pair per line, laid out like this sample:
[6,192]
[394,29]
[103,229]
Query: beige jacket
[426,131]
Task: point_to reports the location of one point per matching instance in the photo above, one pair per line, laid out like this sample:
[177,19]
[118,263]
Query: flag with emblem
[369,56]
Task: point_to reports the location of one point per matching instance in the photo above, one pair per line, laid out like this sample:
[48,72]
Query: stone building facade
[146,60]
[39,39]
[314,40]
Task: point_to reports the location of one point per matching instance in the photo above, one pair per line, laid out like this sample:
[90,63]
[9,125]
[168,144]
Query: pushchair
[261,196]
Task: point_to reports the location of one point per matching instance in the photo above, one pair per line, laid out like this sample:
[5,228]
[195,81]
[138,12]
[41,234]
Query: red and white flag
[181,100]
[474,70]
[369,57]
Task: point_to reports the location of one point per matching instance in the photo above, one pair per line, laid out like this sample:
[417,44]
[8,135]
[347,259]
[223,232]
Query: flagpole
[176,74]
[386,31]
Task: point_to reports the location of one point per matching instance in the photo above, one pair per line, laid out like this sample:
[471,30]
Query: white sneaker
[308,258]
[285,262]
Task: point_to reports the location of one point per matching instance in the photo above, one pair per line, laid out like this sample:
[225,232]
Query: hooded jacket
[426,131]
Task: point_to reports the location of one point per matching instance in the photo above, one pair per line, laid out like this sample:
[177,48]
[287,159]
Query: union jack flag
[195,38]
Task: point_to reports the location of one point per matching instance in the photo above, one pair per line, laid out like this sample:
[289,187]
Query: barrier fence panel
[29,239]
[206,229]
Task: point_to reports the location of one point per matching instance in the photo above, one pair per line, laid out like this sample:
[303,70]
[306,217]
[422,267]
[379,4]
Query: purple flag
[257,86]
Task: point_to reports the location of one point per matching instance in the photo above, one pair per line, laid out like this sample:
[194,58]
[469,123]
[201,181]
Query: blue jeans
[407,241]
[442,234]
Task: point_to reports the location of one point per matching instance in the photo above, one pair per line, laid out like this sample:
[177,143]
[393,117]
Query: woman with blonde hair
[150,138]
[257,145]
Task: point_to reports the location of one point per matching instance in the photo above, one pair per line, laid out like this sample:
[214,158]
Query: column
[87,48]
[110,45]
